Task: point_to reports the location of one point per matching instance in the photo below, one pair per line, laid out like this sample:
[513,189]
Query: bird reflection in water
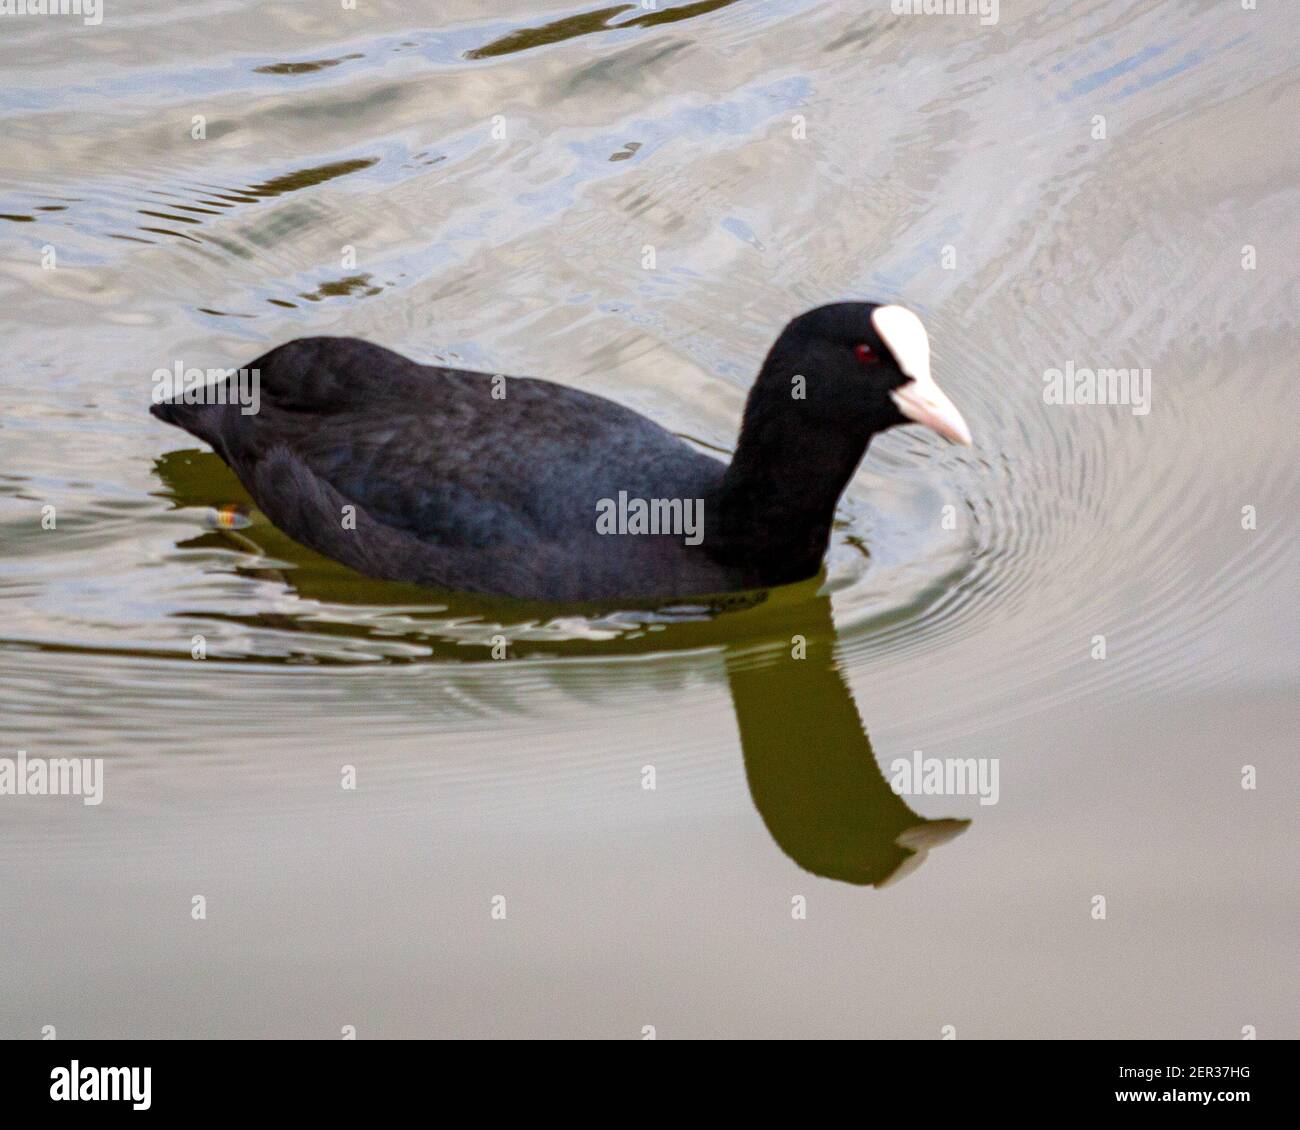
[811,770]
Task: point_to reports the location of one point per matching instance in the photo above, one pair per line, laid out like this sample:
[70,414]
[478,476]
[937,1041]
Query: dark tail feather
[170,412]
[201,420]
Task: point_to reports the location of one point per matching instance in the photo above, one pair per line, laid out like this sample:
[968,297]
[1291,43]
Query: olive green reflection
[811,770]
[588,23]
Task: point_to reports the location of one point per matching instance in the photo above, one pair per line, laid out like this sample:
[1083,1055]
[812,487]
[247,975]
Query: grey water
[567,822]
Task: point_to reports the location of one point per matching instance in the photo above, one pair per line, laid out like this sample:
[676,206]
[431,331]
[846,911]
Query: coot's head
[863,364]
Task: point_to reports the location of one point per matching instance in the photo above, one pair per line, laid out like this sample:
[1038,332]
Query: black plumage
[465,481]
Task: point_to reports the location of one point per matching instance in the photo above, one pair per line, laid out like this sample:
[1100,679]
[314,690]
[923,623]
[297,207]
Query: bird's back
[464,461]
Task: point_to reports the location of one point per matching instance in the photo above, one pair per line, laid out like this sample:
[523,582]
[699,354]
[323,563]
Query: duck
[529,489]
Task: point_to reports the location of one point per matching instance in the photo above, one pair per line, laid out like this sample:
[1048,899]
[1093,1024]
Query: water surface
[481,186]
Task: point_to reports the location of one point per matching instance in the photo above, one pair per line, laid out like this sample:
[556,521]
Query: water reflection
[922,135]
[588,23]
[811,770]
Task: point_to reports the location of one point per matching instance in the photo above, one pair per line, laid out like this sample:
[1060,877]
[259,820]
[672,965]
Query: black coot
[523,488]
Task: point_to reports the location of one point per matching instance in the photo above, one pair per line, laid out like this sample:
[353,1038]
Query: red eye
[865,354]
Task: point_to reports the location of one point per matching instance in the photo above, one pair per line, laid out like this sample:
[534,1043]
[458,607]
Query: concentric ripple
[484,192]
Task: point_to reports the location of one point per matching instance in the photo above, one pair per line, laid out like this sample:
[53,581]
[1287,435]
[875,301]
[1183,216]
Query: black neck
[776,503]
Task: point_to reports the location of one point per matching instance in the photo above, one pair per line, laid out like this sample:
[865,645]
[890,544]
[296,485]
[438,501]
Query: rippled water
[195,184]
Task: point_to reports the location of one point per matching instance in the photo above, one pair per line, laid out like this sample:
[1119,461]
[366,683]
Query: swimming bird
[518,487]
